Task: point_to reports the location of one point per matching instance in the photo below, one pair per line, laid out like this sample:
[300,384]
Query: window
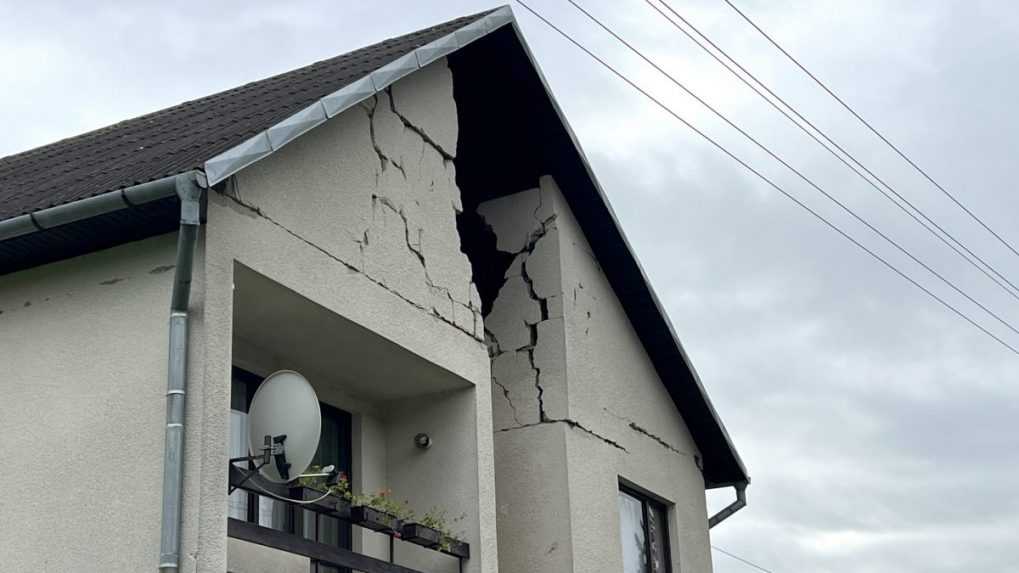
[644,533]
[334,448]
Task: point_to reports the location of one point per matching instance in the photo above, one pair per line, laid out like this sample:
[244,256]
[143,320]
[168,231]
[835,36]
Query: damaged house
[412,227]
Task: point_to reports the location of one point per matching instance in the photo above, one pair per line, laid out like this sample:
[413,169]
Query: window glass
[632,534]
[238,448]
[659,540]
[644,533]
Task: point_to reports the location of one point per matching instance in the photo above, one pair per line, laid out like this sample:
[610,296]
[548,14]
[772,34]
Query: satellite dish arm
[272,452]
[279,455]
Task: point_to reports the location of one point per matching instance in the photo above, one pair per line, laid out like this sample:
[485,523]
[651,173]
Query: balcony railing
[324,553]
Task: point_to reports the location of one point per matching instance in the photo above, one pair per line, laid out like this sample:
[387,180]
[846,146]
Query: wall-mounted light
[423,441]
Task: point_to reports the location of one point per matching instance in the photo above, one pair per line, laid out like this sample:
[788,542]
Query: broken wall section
[524,329]
[577,401]
[375,190]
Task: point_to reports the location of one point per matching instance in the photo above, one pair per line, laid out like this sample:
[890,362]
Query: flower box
[421,535]
[374,519]
[457,548]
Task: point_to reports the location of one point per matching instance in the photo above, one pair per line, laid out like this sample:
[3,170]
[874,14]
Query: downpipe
[189,187]
[727,511]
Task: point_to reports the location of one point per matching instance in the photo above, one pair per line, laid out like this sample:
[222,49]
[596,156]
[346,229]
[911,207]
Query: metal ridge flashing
[267,142]
[90,207]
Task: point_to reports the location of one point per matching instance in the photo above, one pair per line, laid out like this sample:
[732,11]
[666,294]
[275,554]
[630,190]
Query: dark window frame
[647,502]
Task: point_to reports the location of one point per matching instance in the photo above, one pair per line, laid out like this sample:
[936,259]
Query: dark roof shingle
[184,136]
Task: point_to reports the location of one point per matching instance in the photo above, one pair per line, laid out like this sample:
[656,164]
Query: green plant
[382,500]
[341,489]
[436,519]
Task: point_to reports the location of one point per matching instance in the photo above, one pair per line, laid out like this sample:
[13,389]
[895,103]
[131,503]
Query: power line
[761,176]
[874,130]
[786,164]
[924,224]
[741,560]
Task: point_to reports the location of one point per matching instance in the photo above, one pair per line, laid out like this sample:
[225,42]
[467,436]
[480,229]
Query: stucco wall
[83,345]
[616,391]
[443,476]
[359,216]
[565,359]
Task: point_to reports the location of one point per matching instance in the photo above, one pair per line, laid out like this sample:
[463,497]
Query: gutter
[87,208]
[727,511]
[189,187]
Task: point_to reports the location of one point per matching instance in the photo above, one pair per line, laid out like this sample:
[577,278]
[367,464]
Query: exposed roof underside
[225,132]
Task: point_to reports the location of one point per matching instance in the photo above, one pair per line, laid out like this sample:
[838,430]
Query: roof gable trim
[296,125]
[267,142]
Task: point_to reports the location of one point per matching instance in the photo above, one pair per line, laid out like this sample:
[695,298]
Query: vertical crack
[532,293]
[418,253]
[494,351]
[540,230]
[384,160]
[543,311]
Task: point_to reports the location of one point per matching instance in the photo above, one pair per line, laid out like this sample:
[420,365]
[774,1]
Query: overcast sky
[880,430]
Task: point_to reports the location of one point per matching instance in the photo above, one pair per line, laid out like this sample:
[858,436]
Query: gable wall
[577,402]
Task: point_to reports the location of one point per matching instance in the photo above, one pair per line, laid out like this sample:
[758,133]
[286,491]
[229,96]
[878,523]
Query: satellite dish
[285,417]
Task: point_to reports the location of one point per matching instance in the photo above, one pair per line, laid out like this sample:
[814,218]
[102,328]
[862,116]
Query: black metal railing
[331,506]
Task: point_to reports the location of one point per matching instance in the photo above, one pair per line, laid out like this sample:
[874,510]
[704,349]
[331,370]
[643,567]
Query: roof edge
[89,207]
[268,141]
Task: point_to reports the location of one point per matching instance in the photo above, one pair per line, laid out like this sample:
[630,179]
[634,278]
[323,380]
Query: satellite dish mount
[273,451]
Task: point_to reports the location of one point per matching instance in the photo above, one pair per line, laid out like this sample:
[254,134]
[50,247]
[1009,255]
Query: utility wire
[924,224]
[740,559]
[798,173]
[763,177]
[874,130]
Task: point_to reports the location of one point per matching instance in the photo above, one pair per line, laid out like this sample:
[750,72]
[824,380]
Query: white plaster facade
[577,405]
[537,410]
[83,345]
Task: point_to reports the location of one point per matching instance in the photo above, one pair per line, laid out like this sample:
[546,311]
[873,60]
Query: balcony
[388,393]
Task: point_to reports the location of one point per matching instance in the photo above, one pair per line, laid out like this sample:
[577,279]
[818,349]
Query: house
[412,227]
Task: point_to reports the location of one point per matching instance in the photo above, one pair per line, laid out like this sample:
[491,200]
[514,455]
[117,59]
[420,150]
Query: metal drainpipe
[190,192]
[740,503]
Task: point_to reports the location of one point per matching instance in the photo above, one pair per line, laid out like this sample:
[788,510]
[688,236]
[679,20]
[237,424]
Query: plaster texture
[358,217]
[84,353]
[576,395]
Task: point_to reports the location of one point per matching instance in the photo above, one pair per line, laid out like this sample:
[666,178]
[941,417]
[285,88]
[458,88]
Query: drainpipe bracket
[189,189]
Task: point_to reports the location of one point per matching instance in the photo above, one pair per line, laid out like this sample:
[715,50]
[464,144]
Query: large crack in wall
[524,326]
[398,226]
